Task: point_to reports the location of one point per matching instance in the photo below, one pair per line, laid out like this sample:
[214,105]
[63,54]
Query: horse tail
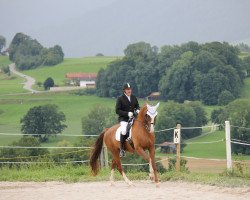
[96,153]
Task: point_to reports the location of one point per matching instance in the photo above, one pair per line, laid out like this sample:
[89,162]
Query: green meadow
[74,107]
[14,107]
[69,65]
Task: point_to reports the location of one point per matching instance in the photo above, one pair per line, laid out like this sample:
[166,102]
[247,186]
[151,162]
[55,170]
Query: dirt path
[143,190]
[29,80]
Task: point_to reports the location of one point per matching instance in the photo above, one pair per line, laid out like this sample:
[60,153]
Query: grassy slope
[74,107]
[58,72]
[214,150]
[244,54]
[8,84]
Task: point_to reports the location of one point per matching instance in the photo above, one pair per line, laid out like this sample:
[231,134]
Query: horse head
[148,115]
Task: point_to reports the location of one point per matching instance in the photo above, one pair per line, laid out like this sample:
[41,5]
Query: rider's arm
[118,108]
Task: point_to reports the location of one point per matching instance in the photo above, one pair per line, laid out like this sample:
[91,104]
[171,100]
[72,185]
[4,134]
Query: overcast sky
[88,27]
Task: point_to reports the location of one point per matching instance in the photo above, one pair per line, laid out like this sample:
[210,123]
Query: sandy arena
[143,190]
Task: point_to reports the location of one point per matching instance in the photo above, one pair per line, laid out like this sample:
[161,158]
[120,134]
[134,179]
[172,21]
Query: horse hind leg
[119,167]
[112,174]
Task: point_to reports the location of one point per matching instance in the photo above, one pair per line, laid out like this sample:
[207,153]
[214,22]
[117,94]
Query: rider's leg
[123,138]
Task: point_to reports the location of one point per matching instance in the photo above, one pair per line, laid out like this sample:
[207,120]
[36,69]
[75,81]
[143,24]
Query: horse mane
[142,113]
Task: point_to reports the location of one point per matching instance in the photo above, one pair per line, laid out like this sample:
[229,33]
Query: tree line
[207,72]
[238,113]
[28,53]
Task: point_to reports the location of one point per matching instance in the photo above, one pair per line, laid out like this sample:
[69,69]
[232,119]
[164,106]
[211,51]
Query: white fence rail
[227,139]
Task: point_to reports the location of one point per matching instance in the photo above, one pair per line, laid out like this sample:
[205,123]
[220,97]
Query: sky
[88,27]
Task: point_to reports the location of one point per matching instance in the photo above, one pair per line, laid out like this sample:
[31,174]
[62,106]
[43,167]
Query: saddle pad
[118,133]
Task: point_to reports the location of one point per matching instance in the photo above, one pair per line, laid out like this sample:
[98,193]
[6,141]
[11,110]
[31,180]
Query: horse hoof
[131,184]
[158,184]
[151,177]
[112,183]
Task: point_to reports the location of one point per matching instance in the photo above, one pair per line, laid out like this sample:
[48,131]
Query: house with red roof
[82,79]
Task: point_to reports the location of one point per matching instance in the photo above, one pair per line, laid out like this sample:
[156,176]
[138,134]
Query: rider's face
[128,91]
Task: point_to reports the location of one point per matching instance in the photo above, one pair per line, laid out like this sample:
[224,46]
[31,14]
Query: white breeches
[123,127]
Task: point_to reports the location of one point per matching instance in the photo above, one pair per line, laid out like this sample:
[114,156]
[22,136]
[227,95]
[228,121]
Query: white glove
[137,111]
[130,114]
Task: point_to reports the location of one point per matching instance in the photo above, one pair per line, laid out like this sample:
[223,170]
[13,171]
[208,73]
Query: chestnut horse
[143,138]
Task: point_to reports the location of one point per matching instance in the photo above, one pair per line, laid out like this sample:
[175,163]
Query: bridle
[149,118]
[145,124]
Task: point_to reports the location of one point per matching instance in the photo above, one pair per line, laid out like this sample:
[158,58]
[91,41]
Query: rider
[126,104]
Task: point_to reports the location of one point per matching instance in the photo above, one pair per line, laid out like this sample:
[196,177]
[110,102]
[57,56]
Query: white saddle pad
[118,133]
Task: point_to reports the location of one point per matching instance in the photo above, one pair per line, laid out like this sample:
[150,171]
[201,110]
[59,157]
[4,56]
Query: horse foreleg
[112,179]
[151,171]
[119,167]
[153,165]
[142,153]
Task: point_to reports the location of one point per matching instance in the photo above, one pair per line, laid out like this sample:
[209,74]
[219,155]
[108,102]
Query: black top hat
[126,86]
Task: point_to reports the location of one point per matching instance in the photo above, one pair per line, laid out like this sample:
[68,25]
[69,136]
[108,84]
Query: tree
[43,121]
[216,116]
[225,98]
[238,113]
[2,43]
[28,53]
[246,64]
[178,82]
[190,71]
[100,117]
[140,50]
[48,83]
[99,55]
[6,70]
[189,115]
[52,56]
[243,47]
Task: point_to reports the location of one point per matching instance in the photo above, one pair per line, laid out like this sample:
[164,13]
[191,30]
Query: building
[154,96]
[82,79]
[167,147]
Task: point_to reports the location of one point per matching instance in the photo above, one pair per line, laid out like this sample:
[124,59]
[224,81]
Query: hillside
[75,107]
[9,84]
[58,72]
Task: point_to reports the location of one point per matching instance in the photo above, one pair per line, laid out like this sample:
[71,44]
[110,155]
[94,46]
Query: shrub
[48,83]
[225,98]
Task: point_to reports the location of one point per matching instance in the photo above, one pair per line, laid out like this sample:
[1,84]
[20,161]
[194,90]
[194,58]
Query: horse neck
[142,114]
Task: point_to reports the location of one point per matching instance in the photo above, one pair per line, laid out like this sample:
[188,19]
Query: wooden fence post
[178,147]
[228,145]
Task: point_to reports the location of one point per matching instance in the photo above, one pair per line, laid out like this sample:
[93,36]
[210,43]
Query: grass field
[74,107]
[244,54]
[4,61]
[13,108]
[9,84]
[58,72]
[245,93]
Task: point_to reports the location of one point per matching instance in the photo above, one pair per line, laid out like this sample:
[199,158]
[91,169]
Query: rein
[145,125]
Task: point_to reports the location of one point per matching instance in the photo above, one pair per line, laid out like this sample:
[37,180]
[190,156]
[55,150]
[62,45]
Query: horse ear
[157,105]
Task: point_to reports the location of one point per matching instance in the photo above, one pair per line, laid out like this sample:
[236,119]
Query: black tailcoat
[123,106]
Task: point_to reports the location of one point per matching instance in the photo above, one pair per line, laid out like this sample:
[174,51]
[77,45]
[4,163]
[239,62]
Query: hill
[12,108]
[58,72]
[213,150]
[9,84]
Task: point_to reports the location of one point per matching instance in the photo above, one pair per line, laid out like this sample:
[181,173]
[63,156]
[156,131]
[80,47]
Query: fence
[104,155]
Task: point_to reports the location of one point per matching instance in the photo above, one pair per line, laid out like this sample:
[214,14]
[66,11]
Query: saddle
[128,131]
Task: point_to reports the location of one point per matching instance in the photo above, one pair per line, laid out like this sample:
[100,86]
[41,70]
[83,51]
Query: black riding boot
[122,145]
